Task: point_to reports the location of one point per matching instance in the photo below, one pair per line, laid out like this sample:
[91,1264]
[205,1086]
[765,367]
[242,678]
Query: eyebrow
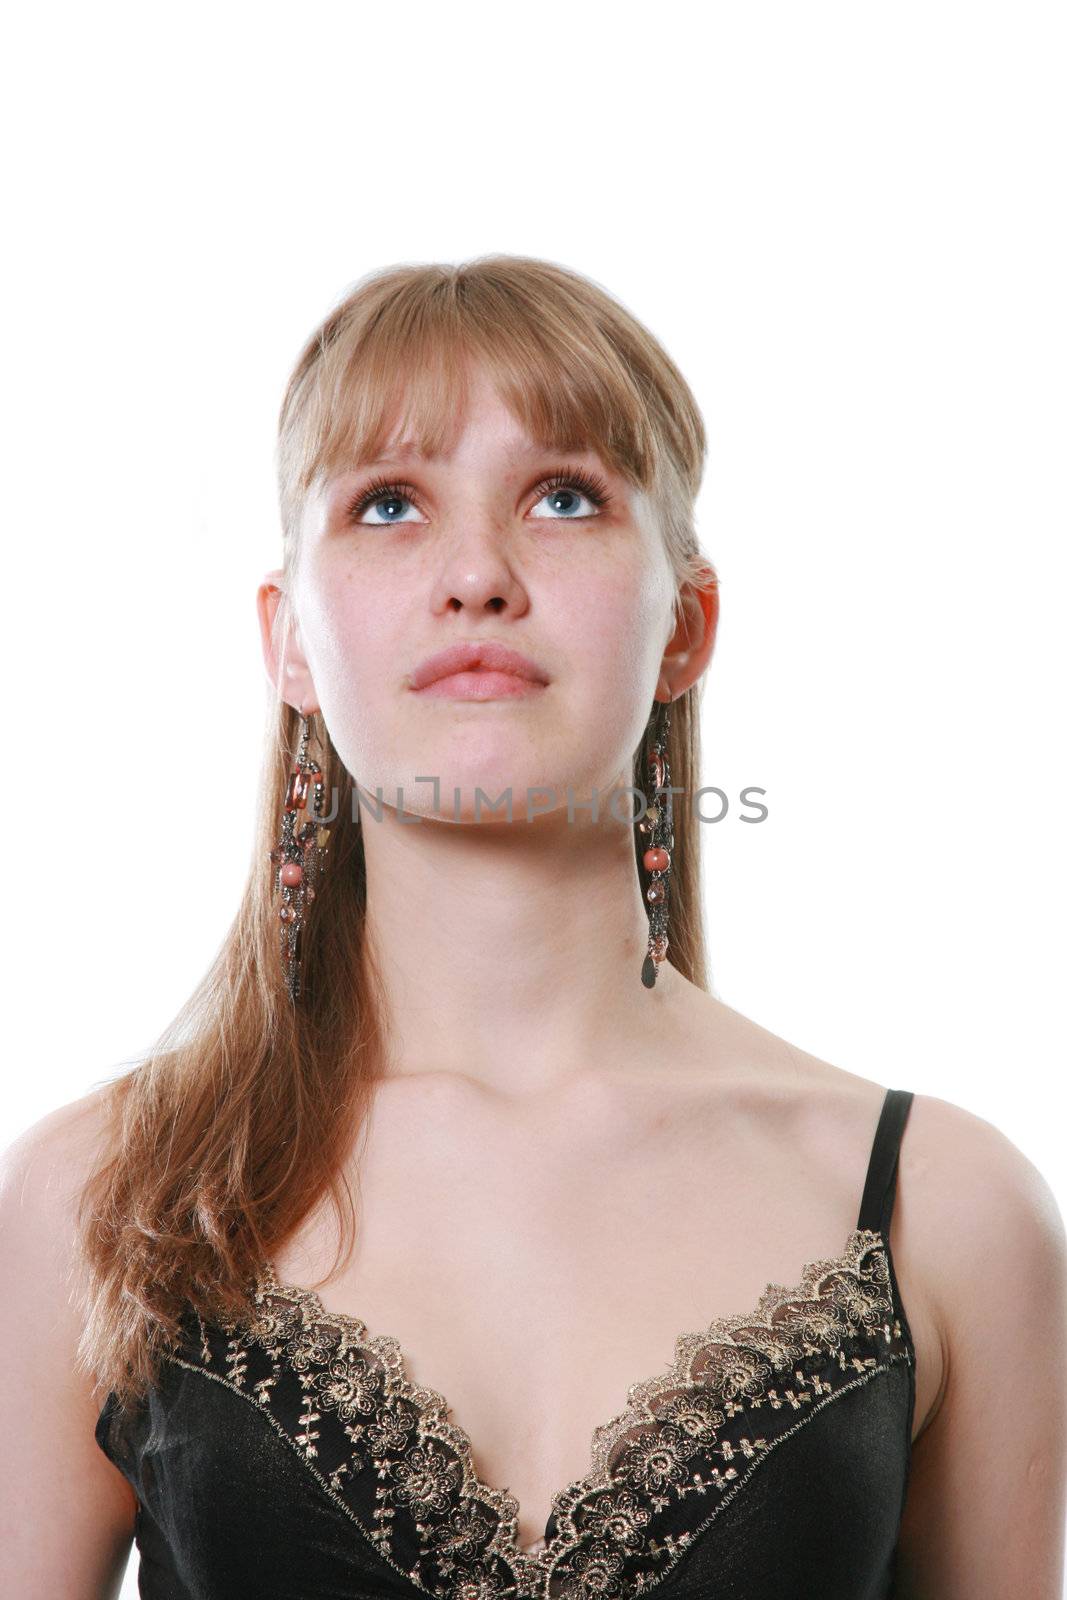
[401,452]
[408,452]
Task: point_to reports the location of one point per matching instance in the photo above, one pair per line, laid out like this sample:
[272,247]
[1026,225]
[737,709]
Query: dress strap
[879,1191]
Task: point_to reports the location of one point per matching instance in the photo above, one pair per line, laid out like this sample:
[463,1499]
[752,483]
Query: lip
[477,670]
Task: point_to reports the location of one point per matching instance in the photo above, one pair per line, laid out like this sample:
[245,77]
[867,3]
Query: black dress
[287,1456]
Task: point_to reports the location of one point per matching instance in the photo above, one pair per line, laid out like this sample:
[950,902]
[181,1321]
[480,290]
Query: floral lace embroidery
[682,1446]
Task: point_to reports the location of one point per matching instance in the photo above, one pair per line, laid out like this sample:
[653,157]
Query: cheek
[339,636]
[353,639]
[612,637]
[619,626]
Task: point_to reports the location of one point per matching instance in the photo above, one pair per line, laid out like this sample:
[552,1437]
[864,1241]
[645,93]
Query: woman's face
[478,547]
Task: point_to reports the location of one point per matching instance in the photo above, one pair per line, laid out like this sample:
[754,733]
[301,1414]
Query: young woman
[456,1239]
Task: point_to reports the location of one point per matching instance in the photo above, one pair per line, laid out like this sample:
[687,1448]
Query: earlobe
[286,666]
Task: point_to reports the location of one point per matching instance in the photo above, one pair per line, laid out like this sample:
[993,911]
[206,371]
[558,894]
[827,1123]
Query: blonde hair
[237,1124]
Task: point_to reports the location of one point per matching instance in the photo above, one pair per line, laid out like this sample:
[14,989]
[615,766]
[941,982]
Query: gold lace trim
[736,1365]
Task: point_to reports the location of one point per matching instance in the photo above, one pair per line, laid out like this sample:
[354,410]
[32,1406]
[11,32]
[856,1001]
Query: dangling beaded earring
[658,827]
[299,857]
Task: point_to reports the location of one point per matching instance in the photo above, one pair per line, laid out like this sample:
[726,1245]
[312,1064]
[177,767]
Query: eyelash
[589,484]
[592,486]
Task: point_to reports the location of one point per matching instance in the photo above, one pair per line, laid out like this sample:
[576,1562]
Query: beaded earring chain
[299,857]
[658,827]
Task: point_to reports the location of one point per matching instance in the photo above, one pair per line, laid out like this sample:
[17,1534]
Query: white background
[844,222]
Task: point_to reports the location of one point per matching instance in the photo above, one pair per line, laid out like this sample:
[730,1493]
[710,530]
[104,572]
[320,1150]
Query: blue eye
[390,498]
[566,503]
[566,490]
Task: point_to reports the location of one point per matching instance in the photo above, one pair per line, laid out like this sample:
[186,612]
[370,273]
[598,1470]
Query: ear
[693,640]
[283,657]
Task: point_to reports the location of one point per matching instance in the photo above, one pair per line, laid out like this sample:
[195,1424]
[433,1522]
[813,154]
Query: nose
[478,576]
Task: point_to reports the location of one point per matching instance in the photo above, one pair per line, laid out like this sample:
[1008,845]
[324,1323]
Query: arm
[984,1518]
[66,1512]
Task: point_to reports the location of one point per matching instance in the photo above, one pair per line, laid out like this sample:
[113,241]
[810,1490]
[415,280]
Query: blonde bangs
[393,362]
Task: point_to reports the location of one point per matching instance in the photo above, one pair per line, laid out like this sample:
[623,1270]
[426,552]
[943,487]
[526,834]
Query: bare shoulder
[977,1233]
[50,1402]
[992,1218]
[964,1176]
[74,1130]
[964,1147]
[971,1193]
[990,1236]
[41,1174]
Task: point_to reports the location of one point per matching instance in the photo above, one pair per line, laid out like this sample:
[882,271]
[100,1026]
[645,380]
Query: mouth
[478,670]
[476,685]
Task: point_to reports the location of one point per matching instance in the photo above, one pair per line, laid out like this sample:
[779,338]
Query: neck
[510,952]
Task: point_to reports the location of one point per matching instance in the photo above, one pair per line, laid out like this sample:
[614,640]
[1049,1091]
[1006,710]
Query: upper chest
[535,1263]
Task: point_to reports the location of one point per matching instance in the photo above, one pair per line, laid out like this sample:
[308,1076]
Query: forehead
[424,400]
[483,416]
[484,426]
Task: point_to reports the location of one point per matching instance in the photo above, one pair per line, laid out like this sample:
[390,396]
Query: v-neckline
[542,1550]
